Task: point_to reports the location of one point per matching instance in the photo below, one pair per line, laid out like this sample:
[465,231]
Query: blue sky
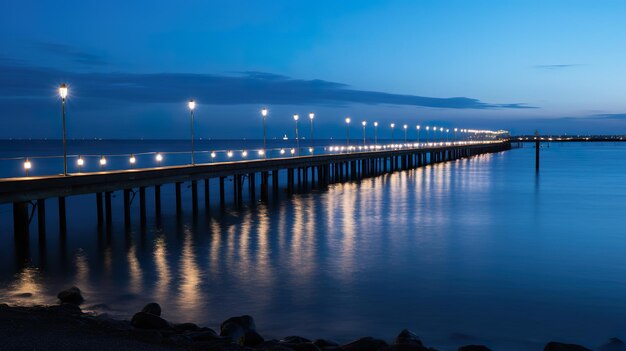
[556,66]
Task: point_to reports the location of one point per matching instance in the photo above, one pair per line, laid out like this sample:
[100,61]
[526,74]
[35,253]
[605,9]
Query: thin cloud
[244,88]
[72,53]
[557,67]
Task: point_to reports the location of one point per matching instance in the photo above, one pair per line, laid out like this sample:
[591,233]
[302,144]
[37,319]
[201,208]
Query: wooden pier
[29,194]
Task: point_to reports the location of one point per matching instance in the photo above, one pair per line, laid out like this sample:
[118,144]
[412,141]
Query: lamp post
[264,114]
[80,162]
[447,135]
[348,132]
[441,134]
[393,125]
[364,123]
[63,94]
[418,135]
[455,130]
[192,106]
[376,133]
[296,118]
[405,131]
[311,116]
[427,128]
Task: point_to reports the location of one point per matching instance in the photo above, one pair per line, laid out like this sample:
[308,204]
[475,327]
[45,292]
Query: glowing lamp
[192,104]
[80,162]
[132,159]
[264,112]
[296,117]
[63,91]
[159,157]
[311,115]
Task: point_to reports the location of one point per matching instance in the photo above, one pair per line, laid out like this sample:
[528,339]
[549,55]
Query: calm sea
[479,250]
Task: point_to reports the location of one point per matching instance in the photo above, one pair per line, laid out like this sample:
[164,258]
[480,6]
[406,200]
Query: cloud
[555,67]
[74,54]
[243,88]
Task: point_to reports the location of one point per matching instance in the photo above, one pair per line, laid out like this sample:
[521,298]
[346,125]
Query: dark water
[472,251]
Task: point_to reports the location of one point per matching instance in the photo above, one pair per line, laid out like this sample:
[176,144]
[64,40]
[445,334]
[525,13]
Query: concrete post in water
[194,196]
[99,211]
[179,202]
[41,218]
[157,200]
[537,151]
[107,207]
[127,207]
[222,200]
[142,205]
[62,217]
[207,193]
[20,221]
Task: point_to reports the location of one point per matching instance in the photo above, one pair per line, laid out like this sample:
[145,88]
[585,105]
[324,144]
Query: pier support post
[157,200]
[222,200]
[127,207]
[537,146]
[107,207]
[264,186]
[142,205]
[41,218]
[179,200]
[275,181]
[99,211]
[20,221]
[194,196]
[62,217]
[207,195]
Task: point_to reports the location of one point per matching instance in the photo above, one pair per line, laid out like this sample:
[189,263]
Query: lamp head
[264,112]
[192,104]
[311,115]
[375,124]
[63,91]
[296,117]
[393,125]
[347,120]
[364,123]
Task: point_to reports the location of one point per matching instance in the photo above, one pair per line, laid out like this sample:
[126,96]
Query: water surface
[472,251]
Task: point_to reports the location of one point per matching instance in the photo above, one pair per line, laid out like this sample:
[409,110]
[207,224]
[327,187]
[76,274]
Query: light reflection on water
[481,247]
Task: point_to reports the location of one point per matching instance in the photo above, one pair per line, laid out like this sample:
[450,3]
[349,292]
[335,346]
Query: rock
[294,340]
[301,346]
[252,338]
[557,346]
[331,348]
[65,308]
[614,344]
[474,348]
[23,295]
[105,320]
[408,337]
[151,336]
[205,335]
[182,327]
[71,295]
[145,320]
[404,347]
[236,327]
[364,344]
[152,308]
[321,343]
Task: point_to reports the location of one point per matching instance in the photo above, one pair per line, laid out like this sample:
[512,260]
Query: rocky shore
[66,327]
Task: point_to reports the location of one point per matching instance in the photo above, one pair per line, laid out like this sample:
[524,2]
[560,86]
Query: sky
[552,66]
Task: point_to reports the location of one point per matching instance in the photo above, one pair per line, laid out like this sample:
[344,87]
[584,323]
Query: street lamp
[441,133]
[418,134]
[132,160]
[405,130]
[311,116]
[364,123]
[103,162]
[393,125]
[348,132]
[447,135]
[455,130]
[192,106]
[296,118]
[63,94]
[80,162]
[27,166]
[427,128]
[264,114]
[376,133]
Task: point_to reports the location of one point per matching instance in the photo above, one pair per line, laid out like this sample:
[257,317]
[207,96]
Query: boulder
[408,337]
[71,295]
[152,308]
[364,344]
[614,344]
[204,335]
[236,327]
[557,346]
[474,348]
[294,339]
[251,338]
[301,346]
[321,343]
[145,320]
[182,327]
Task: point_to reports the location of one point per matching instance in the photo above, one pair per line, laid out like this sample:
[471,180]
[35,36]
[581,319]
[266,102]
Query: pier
[31,194]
